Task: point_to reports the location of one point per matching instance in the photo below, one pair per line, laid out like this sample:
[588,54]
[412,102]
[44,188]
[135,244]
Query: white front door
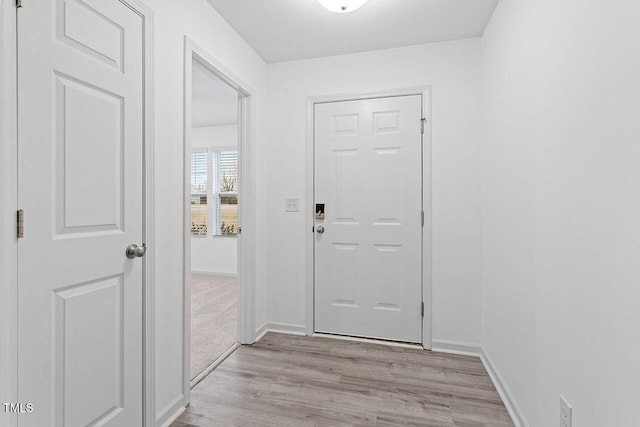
[80,160]
[368,246]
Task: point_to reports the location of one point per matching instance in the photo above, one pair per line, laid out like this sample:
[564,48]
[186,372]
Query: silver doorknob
[320,229]
[135,251]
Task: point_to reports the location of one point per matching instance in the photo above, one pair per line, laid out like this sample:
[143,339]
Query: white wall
[215,136]
[453,70]
[199,21]
[561,207]
[217,254]
[214,254]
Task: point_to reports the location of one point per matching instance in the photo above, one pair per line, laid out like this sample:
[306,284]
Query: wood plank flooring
[286,380]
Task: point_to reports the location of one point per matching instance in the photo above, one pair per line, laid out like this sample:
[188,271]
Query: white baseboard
[213,273]
[261,331]
[280,328]
[476,350]
[171,412]
[287,328]
[503,390]
[456,347]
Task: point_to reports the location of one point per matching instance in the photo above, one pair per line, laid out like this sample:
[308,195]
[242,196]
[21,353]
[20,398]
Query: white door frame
[425,91]
[9,197]
[246,210]
[149,236]
[9,203]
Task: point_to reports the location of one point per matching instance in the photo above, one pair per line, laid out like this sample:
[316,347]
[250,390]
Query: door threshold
[204,374]
[369,340]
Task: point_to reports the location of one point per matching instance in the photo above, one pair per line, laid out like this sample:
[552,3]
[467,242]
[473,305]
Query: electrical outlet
[565,412]
[291,205]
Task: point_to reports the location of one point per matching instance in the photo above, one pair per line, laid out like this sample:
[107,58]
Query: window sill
[215,236]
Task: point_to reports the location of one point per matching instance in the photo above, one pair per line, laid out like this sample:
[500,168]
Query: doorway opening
[218,303]
[213,205]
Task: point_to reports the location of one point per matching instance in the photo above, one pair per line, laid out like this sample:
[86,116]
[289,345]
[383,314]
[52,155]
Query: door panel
[80,161]
[79,137]
[368,261]
[89,317]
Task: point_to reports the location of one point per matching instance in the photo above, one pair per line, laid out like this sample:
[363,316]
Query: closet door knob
[135,251]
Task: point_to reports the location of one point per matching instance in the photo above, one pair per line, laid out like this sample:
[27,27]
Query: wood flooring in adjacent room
[286,380]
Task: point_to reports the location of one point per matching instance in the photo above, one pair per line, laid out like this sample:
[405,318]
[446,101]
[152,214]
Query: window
[227,167]
[199,181]
[214,192]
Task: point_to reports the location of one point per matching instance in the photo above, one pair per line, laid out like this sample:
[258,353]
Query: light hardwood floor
[214,313]
[286,380]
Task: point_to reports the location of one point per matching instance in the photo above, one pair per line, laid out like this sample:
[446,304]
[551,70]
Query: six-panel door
[368,260]
[80,103]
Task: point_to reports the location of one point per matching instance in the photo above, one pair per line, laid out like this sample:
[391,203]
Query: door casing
[425,91]
[9,197]
[9,202]
[246,241]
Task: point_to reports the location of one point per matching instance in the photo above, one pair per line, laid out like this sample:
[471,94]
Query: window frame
[199,194]
[213,193]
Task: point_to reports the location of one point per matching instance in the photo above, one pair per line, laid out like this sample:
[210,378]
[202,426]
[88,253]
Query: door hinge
[422,309]
[20,224]
[239,230]
[422,218]
[422,122]
[19,3]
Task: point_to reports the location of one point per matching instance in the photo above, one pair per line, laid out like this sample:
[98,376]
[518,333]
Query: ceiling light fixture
[342,6]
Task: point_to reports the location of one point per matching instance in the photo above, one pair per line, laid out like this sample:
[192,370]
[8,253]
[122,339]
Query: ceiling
[285,30]
[213,102]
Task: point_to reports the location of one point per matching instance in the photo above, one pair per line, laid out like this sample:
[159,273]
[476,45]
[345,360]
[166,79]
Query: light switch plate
[291,205]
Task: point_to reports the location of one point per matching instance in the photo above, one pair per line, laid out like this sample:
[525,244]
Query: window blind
[199,166]
[228,172]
